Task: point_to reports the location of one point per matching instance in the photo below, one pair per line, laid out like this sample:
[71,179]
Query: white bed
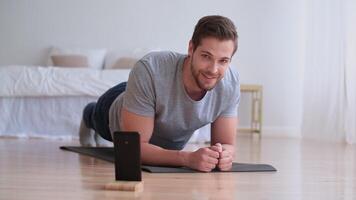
[44,117]
[47,102]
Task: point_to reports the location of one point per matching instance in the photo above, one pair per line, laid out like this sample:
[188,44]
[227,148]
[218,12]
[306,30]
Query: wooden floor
[37,169]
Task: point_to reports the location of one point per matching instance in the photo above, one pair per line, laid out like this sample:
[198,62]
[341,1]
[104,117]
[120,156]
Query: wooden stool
[256,110]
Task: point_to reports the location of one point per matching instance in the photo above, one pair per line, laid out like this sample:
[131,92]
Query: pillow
[115,60]
[95,57]
[124,63]
[69,60]
[126,59]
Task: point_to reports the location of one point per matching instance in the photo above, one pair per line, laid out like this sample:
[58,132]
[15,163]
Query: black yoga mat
[107,153]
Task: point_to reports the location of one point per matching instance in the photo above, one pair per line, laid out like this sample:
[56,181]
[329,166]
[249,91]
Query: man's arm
[203,159]
[223,131]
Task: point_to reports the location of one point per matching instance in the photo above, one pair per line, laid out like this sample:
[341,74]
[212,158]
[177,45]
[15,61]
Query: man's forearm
[154,155]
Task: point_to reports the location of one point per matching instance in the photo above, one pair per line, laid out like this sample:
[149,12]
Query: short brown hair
[215,26]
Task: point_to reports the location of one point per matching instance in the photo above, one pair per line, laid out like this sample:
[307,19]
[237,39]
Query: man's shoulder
[161,62]
[231,78]
[161,57]
[230,84]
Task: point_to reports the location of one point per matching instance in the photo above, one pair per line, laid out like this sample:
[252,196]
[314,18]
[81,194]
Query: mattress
[47,102]
[43,117]
[20,81]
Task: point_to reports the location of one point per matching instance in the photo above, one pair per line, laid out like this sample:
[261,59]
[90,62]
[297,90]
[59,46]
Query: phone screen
[127,156]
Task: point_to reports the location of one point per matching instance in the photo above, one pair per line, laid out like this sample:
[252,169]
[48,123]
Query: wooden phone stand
[127,162]
[135,186]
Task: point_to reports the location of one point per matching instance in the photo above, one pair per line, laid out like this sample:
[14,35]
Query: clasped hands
[208,158]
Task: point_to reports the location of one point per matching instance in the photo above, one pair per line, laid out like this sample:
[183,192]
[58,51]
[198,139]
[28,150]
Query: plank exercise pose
[170,95]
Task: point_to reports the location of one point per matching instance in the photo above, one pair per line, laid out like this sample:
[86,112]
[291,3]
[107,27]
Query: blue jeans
[96,114]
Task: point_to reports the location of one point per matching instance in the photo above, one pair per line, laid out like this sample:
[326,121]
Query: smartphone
[127,156]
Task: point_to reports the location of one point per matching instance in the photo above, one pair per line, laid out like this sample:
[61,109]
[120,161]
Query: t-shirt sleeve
[233,104]
[140,97]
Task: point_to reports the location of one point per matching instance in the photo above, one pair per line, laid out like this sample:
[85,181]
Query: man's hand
[204,159]
[225,157]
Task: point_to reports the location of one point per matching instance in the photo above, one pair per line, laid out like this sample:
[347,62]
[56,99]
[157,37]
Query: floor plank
[38,169]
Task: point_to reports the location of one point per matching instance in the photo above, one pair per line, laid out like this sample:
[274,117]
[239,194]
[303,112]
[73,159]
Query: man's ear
[190,48]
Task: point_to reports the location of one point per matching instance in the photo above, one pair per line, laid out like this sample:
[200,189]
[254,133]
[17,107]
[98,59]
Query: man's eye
[205,56]
[224,61]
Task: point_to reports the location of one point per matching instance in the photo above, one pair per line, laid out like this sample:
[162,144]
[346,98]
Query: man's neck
[189,83]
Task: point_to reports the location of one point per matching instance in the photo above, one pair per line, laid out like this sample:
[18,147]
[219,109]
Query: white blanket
[22,81]
[66,92]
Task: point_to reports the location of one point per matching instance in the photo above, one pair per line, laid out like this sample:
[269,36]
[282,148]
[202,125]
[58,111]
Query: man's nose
[213,67]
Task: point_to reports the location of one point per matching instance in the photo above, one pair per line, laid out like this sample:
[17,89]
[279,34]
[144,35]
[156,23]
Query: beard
[200,83]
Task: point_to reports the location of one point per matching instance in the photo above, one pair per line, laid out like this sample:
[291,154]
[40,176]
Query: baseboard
[276,131]
[30,135]
[203,135]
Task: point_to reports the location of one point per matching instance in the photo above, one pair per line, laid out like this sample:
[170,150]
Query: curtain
[329,101]
[350,71]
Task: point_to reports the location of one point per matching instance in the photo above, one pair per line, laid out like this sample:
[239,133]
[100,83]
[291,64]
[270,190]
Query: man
[170,95]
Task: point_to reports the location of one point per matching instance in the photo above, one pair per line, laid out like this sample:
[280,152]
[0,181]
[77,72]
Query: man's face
[209,61]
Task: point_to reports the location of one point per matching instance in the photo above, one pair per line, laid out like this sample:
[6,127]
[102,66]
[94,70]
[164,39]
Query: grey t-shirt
[155,89]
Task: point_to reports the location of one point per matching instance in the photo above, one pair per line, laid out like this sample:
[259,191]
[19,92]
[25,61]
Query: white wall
[271,46]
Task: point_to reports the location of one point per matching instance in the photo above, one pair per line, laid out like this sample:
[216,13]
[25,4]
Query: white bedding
[47,102]
[42,117]
[23,81]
